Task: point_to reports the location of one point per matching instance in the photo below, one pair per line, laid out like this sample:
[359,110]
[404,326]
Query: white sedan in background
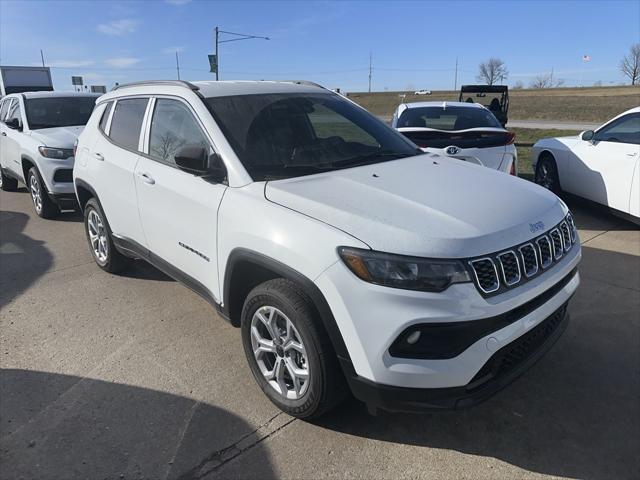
[602,165]
[466,131]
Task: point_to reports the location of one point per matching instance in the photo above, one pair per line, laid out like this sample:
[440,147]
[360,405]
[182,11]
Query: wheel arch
[26,162]
[84,192]
[246,269]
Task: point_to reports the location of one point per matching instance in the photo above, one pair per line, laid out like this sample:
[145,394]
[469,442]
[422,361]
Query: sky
[413,44]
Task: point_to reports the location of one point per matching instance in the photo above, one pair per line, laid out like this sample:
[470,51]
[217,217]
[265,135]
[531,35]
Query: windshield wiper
[352,161]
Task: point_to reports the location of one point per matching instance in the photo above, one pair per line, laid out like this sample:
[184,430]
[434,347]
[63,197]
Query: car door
[111,163]
[603,168]
[12,137]
[179,209]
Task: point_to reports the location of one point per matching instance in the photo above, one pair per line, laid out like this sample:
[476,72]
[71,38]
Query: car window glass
[4,108]
[173,127]
[14,112]
[58,111]
[105,116]
[623,130]
[448,118]
[127,122]
[326,123]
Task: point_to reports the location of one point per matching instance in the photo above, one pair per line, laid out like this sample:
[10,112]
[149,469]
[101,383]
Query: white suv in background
[37,134]
[347,257]
[462,130]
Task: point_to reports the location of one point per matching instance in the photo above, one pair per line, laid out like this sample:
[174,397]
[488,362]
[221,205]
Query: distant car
[422,92]
[38,131]
[602,165]
[466,131]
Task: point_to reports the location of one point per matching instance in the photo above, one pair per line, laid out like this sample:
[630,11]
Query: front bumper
[503,367]
[52,171]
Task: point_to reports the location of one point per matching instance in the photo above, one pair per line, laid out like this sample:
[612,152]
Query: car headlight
[399,271]
[59,153]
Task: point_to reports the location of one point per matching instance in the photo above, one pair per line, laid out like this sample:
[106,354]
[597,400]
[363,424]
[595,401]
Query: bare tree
[630,64]
[492,71]
[518,85]
[546,80]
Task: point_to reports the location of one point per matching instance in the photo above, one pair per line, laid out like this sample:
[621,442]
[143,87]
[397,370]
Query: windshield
[58,111]
[448,118]
[288,135]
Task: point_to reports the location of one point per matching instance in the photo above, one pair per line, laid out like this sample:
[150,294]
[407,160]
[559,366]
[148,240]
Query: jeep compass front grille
[503,270]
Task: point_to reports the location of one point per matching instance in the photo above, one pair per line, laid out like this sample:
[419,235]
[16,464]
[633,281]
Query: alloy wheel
[97,236]
[36,193]
[279,352]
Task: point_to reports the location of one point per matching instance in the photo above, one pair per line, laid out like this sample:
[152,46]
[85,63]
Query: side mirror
[14,124]
[587,135]
[192,159]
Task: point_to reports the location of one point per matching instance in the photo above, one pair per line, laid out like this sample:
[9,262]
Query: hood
[426,205]
[57,137]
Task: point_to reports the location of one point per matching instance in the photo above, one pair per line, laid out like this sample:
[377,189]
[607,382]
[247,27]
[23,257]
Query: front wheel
[547,174]
[100,241]
[43,205]
[289,352]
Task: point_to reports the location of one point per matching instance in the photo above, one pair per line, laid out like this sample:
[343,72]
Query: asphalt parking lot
[134,376]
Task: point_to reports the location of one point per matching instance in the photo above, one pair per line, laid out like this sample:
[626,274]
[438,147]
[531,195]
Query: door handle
[4,134]
[98,156]
[146,178]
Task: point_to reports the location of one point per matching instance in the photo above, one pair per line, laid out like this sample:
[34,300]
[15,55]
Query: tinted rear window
[58,111]
[127,122]
[448,118]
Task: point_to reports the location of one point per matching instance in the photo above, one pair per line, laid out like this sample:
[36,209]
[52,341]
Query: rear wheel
[100,239]
[289,352]
[7,183]
[43,205]
[547,173]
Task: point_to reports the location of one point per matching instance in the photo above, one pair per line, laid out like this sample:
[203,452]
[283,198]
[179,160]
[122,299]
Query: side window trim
[146,126]
[107,125]
[613,124]
[149,119]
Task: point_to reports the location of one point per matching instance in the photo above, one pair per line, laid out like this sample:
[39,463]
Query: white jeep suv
[348,258]
[37,134]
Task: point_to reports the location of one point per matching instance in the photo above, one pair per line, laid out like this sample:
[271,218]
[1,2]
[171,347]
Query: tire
[42,204]
[547,173]
[286,305]
[7,183]
[100,239]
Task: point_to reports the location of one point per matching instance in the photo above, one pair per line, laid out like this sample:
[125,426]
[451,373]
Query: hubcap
[279,352]
[97,236]
[36,196]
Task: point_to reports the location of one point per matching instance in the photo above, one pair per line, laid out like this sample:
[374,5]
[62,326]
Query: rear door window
[4,108]
[127,122]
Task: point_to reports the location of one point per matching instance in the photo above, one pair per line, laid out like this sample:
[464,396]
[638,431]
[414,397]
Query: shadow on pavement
[145,271]
[58,426]
[576,413]
[22,259]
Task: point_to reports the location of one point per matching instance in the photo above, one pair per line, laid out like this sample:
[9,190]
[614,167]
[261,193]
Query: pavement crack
[220,457]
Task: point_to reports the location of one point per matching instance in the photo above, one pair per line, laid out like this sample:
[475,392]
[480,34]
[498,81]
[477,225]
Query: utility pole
[42,57]
[370,62]
[217,57]
[177,65]
[455,78]
[239,36]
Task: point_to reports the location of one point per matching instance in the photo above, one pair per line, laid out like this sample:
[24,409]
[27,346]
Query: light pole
[239,36]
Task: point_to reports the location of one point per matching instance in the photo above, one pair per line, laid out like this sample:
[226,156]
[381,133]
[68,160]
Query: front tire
[288,350]
[547,173]
[100,239]
[7,184]
[42,204]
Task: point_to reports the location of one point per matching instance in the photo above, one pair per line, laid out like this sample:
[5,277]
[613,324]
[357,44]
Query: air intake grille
[498,272]
[556,240]
[486,275]
[510,268]
[529,259]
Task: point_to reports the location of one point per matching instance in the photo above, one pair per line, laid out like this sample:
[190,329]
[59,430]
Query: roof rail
[177,83]
[303,82]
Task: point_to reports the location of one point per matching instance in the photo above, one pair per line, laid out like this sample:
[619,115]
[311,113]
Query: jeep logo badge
[536,227]
[452,150]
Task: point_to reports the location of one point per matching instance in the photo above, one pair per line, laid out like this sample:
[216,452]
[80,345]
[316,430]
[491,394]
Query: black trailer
[18,79]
